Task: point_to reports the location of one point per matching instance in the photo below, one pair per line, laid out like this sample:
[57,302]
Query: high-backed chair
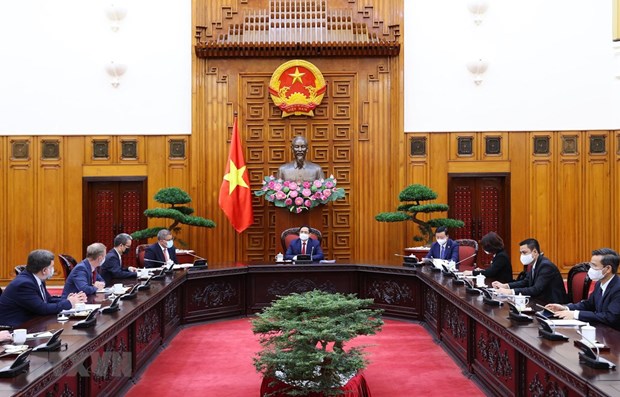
[140,251]
[292,233]
[67,262]
[19,269]
[467,248]
[579,282]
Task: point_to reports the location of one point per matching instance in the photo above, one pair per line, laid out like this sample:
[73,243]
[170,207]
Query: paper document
[35,335]
[327,261]
[182,265]
[566,323]
[87,308]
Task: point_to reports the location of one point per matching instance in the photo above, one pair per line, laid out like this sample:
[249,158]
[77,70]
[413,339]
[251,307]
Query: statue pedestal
[286,219]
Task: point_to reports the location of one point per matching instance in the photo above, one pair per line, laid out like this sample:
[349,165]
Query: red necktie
[303,248]
[94,276]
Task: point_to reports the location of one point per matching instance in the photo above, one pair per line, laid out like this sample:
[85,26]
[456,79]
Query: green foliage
[411,197]
[303,338]
[179,214]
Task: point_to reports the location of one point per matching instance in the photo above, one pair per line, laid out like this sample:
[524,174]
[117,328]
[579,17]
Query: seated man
[543,280]
[444,247]
[26,296]
[84,276]
[162,252]
[304,245]
[603,304]
[112,266]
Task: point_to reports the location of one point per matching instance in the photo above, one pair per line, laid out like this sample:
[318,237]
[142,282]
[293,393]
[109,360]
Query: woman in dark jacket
[500,269]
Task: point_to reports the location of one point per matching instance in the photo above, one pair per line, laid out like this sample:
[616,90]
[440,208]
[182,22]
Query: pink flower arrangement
[298,197]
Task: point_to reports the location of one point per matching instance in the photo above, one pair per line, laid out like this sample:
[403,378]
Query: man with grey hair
[84,276]
[112,267]
[300,170]
[162,252]
[26,296]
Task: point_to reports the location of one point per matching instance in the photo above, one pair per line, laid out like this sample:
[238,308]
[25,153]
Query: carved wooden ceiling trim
[297,28]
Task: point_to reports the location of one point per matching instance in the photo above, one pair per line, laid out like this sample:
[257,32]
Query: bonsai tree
[303,338]
[412,197]
[179,213]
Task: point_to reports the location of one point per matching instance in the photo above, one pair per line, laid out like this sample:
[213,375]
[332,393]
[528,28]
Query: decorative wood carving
[551,388]
[417,146]
[497,361]
[62,389]
[177,148]
[454,323]
[493,145]
[299,285]
[50,149]
[171,307]
[390,292]
[101,149]
[465,145]
[296,28]
[569,144]
[149,327]
[463,210]
[113,361]
[541,145]
[214,295]
[598,144]
[20,149]
[129,149]
[431,304]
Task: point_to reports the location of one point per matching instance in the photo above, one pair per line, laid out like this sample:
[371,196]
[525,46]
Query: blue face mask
[169,244]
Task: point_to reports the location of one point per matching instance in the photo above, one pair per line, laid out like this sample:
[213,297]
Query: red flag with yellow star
[235,196]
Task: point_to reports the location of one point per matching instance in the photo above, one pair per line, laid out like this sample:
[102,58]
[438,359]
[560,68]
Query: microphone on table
[589,358]
[469,257]
[201,262]
[161,275]
[311,252]
[154,260]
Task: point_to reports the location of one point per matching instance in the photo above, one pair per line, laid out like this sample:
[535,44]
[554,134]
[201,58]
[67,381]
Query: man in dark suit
[444,247]
[84,276]
[112,267]
[603,304]
[543,280]
[304,245]
[26,296]
[162,252]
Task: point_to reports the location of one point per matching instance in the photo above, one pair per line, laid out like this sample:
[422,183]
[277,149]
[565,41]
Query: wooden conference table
[507,358]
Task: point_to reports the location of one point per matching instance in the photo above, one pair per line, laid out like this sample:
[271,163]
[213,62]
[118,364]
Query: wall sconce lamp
[477,69]
[115,70]
[477,9]
[115,14]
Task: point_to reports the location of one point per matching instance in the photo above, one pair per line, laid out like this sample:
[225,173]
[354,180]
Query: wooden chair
[292,233]
[467,248]
[140,251]
[579,282]
[67,262]
[19,269]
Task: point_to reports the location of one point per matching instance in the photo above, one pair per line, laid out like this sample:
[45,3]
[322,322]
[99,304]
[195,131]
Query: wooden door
[112,207]
[482,203]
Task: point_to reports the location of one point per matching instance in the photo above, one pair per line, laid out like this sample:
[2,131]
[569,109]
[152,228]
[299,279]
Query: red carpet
[215,360]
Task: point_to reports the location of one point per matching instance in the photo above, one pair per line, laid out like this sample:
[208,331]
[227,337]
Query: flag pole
[236,234]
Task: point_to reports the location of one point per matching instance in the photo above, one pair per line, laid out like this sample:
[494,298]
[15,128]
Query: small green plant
[179,213]
[412,197]
[303,338]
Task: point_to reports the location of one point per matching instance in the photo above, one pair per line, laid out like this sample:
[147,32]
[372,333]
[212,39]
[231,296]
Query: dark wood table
[505,357]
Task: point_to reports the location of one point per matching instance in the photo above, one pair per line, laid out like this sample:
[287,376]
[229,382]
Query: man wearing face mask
[26,296]
[84,277]
[603,304]
[112,267]
[162,252]
[444,247]
[543,280]
[304,245]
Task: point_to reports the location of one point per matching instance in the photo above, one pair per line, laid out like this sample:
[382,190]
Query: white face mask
[595,274]
[50,275]
[526,259]
[442,241]
[169,244]
[303,236]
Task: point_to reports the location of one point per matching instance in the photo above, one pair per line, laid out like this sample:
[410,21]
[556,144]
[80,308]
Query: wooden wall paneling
[501,137]
[178,176]
[569,200]
[597,203]
[463,139]
[5,254]
[72,154]
[21,203]
[439,149]
[49,192]
[543,197]
[418,171]
[519,152]
[615,194]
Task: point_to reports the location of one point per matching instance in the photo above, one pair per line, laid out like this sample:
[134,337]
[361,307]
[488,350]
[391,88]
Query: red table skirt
[356,387]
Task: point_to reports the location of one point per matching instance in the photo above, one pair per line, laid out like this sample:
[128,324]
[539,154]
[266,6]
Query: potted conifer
[303,338]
